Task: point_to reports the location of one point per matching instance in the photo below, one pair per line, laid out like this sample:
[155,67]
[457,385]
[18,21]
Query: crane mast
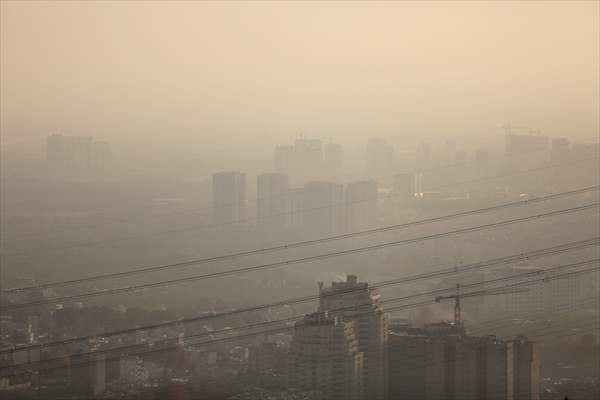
[457,296]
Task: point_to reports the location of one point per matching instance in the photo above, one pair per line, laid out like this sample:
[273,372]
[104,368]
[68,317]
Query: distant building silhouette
[526,151]
[308,151]
[229,197]
[303,161]
[284,159]
[273,204]
[333,160]
[525,143]
[560,151]
[585,150]
[361,205]
[308,159]
[379,160]
[407,186]
[77,156]
[321,208]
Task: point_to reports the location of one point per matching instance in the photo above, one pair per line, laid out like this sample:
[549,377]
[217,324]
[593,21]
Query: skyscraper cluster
[319,207]
[346,350]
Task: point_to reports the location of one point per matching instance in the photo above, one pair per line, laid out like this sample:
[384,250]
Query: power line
[542,338]
[307,210]
[291,319]
[304,259]
[306,242]
[430,356]
[546,167]
[425,359]
[537,338]
[90,359]
[559,249]
[208,208]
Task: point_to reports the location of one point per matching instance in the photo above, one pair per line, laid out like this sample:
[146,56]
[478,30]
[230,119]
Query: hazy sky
[260,72]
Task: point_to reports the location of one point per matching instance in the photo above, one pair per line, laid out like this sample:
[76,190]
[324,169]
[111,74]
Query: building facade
[356,301]
[229,197]
[361,205]
[441,362]
[325,358]
[273,202]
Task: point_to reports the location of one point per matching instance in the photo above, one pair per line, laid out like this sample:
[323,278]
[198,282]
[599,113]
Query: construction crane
[457,296]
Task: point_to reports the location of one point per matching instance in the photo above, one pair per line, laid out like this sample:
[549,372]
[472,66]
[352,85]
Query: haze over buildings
[300,200]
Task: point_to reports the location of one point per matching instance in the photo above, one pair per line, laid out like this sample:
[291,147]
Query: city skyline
[299,200]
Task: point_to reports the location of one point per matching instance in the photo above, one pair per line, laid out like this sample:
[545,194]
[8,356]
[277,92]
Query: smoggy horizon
[241,76]
[300,200]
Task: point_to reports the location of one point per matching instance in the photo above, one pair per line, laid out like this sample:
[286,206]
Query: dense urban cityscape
[348,343]
[383,264]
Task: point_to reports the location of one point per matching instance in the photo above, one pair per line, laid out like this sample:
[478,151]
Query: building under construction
[441,362]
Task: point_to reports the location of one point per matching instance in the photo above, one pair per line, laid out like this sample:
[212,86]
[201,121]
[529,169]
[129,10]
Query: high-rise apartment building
[302,161]
[560,151]
[321,210]
[407,186]
[273,204]
[81,373]
[325,357]
[379,160]
[284,159]
[526,151]
[439,361]
[267,363]
[525,143]
[309,151]
[361,205]
[585,150]
[99,378]
[308,159]
[77,156]
[296,213]
[526,370]
[333,160]
[356,301]
[229,197]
